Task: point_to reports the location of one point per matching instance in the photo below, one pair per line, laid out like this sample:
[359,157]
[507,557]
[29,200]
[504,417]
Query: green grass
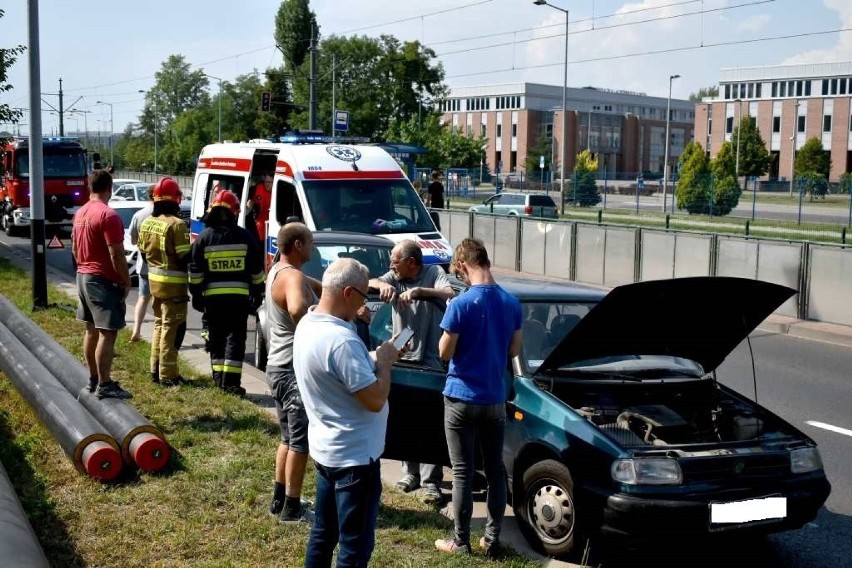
[209,508]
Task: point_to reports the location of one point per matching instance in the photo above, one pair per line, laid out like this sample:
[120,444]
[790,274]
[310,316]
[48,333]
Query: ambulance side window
[233,184]
[287,202]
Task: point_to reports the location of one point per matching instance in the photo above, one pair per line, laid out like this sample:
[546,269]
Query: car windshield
[126,214]
[546,324]
[58,163]
[381,206]
[376,259]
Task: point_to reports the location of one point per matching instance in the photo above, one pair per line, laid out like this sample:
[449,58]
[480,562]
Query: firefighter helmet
[167,189]
[225,198]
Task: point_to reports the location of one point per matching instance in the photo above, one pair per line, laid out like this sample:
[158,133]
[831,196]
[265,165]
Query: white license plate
[749,511]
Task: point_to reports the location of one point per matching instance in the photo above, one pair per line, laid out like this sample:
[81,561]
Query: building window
[727,91]
[514,130]
[548,131]
[783,89]
[807,88]
[758,90]
[825,86]
[834,86]
[499,130]
[791,88]
[800,126]
[774,89]
[776,124]
[469,129]
[482,130]
[843,86]
[798,88]
[826,123]
[729,125]
[751,90]
[709,126]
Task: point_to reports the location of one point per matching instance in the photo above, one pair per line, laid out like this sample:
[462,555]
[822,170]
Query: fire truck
[66,186]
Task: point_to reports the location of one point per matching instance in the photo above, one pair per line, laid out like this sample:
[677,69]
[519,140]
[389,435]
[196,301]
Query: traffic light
[265,101]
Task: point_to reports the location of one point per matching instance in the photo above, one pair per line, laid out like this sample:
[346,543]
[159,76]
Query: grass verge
[209,507]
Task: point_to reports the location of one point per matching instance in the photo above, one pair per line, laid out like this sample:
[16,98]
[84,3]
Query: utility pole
[37,159]
[61,113]
[333,93]
[312,111]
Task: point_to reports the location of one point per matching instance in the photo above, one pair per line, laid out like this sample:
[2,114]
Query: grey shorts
[144,286]
[100,302]
[292,418]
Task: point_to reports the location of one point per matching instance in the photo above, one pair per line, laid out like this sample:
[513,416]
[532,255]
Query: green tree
[8,56]
[585,194]
[293,24]
[754,157]
[176,89]
[703,92]
[693,185]
[726,188]
[444,147]
[812,167]
[542,147]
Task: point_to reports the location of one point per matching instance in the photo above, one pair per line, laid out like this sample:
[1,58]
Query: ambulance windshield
[367,206]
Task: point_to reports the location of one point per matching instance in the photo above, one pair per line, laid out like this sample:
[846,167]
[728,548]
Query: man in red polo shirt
[103,282]
[261,199]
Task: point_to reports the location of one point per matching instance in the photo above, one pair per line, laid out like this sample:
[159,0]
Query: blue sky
[108,50]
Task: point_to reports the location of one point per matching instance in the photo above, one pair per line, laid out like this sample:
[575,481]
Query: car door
[415,430]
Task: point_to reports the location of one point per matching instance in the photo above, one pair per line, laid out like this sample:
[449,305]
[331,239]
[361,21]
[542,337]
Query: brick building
[787,102]
[625,130]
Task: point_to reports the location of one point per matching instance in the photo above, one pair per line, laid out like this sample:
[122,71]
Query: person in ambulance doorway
[226,280]
[164,240]
[260,200]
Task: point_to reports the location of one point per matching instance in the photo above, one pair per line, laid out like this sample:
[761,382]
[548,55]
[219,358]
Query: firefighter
[164,240]
[226,280]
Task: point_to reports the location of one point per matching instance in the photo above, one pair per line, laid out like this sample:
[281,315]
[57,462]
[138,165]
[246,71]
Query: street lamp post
[156,119]
[220,102]
[739,119]
[564,140]
[111,160]
[793,148]
[666,151]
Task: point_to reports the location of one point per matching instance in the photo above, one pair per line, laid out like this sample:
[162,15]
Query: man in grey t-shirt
[419,297]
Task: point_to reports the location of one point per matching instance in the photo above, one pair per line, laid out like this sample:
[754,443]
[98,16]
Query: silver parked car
[518,204]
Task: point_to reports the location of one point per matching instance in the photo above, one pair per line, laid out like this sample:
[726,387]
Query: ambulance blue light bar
[305,138]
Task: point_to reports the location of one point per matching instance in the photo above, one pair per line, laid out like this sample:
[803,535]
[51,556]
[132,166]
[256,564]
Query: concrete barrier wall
[534,245]
[506,238]
[590,253]
[781,263]
[657,255]
[829,284]
[557,252]
[692,255]
[620,257]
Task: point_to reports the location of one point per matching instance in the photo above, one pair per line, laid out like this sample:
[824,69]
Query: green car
[616,422]
[518,204]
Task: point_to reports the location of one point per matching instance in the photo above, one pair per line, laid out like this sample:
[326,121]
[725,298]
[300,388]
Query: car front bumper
[635,516]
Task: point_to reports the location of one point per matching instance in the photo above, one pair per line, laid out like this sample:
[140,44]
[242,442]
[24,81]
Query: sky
[108,50]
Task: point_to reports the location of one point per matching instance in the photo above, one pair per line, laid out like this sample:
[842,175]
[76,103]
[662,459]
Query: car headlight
[803,460]
[647,471]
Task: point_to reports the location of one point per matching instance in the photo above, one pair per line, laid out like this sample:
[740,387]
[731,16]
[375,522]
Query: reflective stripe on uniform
[196,277]
[258,278]
[156,274]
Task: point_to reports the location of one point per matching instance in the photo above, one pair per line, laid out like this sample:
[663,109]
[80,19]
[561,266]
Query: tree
[726,188]
[542,147]
[585,192]
[693,186]
[294,22]
[754,157]
[704,92]
[176,89]
[812,167]
[8,56]
[444,147]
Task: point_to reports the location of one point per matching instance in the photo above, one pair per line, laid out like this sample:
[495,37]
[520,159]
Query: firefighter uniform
[226,279]
[164,240]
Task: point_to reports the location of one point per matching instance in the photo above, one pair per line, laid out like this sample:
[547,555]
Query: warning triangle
[55,243]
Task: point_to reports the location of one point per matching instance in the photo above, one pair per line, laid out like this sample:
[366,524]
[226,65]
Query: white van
[329,187]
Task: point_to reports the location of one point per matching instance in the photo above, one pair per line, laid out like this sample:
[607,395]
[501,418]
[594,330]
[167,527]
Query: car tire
[260,352]
[546,508]
[9,227]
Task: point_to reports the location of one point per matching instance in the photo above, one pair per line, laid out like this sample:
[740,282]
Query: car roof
[348,238]
[531,290]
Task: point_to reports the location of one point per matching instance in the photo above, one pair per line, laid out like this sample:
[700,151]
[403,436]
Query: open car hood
[702,319]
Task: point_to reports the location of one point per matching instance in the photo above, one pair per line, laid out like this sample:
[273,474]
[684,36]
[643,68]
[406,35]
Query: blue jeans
[347,507]
[463,424]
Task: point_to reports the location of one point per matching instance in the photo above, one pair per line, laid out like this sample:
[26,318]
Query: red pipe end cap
[149,452]
[101,461]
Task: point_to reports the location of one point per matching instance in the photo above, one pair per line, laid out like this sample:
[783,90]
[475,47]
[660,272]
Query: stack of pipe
[19,546]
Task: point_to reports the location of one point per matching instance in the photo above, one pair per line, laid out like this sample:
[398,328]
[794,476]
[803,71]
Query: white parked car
[131,191]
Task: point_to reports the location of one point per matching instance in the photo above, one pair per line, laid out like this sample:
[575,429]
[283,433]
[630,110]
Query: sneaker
[432,494]
[111,390]
[408,483]
[276,507]
[233,389]
[489,548]
[304,515]
[155,378]
[451,546]
[171,382]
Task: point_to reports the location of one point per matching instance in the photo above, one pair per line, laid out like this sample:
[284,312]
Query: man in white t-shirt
[345,391]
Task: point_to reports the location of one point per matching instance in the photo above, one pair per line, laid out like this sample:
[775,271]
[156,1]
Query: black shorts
[292,418]
[100,302]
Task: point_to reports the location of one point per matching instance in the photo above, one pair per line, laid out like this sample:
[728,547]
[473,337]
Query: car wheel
[548,516]
[259,348]
[8,226]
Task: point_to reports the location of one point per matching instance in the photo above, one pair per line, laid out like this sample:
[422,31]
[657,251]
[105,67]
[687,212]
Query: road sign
[55,243]
[341,120]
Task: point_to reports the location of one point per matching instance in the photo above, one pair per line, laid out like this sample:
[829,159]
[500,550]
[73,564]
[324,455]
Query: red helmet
[225,198]
[167,189]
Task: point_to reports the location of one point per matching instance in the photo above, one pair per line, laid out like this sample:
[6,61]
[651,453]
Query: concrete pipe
[141,443]
[19,546]
[81,437]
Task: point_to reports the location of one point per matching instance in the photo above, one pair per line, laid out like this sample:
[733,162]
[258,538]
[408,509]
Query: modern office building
[625,130]
[790,104]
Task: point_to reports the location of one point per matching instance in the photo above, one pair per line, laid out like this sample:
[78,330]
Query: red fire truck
[66,185]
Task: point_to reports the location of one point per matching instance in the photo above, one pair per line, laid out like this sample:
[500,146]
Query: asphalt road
[801,380]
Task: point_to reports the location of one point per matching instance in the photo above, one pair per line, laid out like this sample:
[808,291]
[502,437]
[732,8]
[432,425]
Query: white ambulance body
[329,187]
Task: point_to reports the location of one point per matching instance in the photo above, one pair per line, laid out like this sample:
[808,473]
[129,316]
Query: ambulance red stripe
[233,164]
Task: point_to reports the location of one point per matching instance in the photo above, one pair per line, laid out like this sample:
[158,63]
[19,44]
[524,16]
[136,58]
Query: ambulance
[327,186]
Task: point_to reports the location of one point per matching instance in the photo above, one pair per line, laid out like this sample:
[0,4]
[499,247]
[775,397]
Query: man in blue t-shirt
[482,329]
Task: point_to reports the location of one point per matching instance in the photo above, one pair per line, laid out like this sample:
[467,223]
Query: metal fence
[610,255]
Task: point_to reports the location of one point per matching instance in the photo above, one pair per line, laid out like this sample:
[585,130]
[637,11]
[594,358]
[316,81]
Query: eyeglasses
[360,293]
